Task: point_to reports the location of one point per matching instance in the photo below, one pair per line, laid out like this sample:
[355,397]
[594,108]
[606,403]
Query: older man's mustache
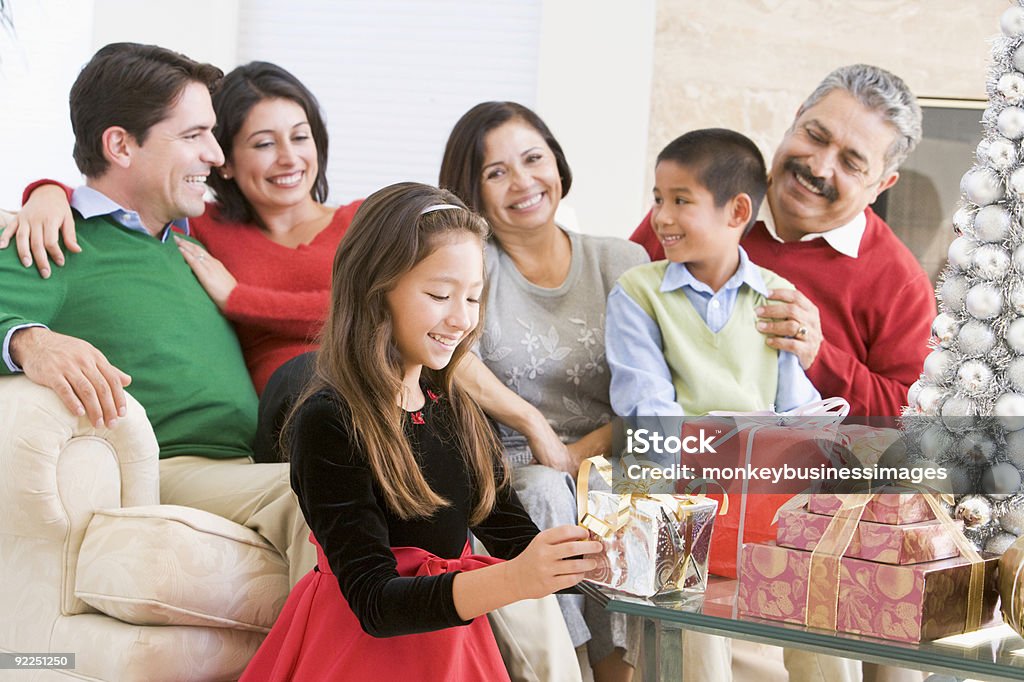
[827,190]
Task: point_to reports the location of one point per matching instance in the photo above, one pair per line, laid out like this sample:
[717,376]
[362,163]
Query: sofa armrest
[56,470]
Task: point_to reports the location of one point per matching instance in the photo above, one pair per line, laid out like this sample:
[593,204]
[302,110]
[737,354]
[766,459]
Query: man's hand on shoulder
[81,375]
[792,323]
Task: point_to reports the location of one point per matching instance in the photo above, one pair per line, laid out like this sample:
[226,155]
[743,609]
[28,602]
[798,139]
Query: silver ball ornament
[1012,521]
[958,480]
[959,413]
[1015,336]
[937,365]
[913,392]
[1011,22]
[1000,542]
[1015,374]
[1009,408]
[1015,448]
[977,447]
[963,220]
[1011,87]
[929,399]
[1017,299]
[954,292]
[989,116]
[973,377]
[999,153]
[961,252]
[1018,258]
[975,511]
[1010,122]
[975,337]
[1000,479]
[991,261]
[1018,58]
[1015,183]
[935,443]
[984,301]
[992,224]
[982,186]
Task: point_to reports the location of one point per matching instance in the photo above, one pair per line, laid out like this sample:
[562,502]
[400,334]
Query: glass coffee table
[990,654]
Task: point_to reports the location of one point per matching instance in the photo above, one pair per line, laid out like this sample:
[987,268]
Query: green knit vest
[733,369]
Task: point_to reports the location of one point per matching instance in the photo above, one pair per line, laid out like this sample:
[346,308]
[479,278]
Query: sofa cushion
[172,565]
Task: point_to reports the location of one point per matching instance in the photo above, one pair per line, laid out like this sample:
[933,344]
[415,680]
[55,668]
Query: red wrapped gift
[892,508]
[909,603]
[909,544]
[749,506]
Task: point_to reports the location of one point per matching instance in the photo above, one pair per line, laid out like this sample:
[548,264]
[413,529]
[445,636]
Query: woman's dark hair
[132,86]
[464,154]
[241,90]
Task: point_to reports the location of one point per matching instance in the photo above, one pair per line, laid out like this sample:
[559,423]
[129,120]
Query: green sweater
[135,299]
[732,369]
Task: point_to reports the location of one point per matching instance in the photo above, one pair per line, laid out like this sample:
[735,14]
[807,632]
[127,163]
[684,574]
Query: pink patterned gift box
[892,508]
[909,603]
[888,544]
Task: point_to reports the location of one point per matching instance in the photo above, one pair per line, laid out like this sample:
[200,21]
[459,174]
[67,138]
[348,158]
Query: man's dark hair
[241,90]
[725,162]
[132,86]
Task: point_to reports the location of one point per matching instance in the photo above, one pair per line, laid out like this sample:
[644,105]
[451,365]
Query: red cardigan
[282,295]
[876,310]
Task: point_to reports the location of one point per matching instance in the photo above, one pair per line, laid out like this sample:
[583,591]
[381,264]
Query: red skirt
[318,638]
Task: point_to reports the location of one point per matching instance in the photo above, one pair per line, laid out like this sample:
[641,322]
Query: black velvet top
[349,517]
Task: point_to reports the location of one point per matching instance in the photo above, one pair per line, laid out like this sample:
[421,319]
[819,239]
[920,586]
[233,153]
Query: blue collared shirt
[641,382]
[90,202]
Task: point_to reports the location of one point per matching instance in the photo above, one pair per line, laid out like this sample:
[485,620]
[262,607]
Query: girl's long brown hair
[359,361]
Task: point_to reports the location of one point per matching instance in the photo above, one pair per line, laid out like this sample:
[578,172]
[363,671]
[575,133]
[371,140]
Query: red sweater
[876,310]
[282,295]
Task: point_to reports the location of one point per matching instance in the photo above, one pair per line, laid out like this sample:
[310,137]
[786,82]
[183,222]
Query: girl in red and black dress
[393,465]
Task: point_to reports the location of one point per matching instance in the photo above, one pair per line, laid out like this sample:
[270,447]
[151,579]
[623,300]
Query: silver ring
[800,333]
[202,257]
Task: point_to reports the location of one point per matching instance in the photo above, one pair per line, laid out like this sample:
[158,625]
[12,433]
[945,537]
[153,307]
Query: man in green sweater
[127,309]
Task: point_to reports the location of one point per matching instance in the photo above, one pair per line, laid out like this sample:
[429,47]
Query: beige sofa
[92,564]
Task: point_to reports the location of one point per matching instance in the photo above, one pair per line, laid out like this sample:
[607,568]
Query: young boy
[681,335]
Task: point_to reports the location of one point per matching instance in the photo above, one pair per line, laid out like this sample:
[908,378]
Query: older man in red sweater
[861,318]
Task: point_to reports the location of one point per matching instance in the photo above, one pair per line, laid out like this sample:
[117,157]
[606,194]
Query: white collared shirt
[845,239]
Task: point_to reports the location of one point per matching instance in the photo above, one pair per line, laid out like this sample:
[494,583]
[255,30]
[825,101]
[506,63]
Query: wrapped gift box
[661,547]
[752,504]
[891,508]
[868,445]
[888,544]
[910,603]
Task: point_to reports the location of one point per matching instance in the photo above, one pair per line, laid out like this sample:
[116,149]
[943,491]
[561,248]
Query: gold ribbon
[823,579]
[634,491]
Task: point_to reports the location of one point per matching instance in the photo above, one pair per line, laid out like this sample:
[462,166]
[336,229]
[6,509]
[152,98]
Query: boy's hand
[792,325]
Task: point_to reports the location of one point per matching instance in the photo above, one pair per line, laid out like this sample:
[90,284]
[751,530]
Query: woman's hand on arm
[550,563]
[507,407]
[39,226]
[211,273]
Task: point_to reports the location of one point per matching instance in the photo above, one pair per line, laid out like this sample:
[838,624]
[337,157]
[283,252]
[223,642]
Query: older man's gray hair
[881,91]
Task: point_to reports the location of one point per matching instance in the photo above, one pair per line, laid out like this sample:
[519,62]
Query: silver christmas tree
[966,413]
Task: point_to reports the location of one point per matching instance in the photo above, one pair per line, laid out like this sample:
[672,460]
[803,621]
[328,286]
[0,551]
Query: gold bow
[629,493]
